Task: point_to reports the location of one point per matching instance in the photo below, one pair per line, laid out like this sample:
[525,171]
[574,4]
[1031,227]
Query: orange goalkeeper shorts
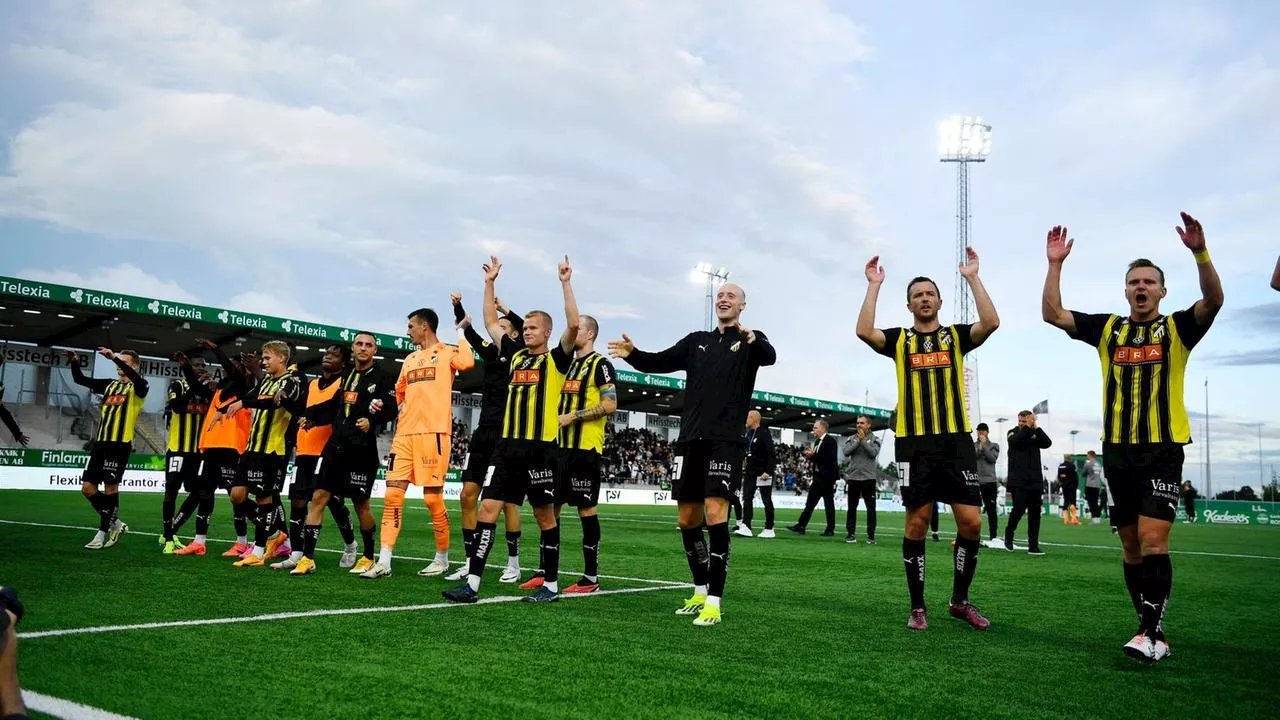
[421,459]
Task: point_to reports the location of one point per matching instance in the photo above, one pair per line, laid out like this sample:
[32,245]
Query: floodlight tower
[704,272]
[963,140]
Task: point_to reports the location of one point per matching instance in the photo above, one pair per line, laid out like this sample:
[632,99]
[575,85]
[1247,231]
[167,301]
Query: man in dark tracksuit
[757,474]
[1026,479]
[988,453]
[862,450]
[826,471]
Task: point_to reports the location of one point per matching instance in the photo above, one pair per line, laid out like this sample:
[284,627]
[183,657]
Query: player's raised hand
[181,358]
[492,268]
[621,348]
[750,335]
[1057,246]
[455,298]
[206,344]
[72,357]
[970,267]
[565,270]
[22,439]
[875,273]
[106,353]
[1193,235]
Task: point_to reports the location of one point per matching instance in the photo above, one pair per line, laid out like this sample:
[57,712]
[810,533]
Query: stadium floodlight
[964,139]
[703,272]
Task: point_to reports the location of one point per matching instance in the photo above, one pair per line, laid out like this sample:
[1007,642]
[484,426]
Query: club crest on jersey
[734,347]
[371,389]
[928,344]
[1138,335]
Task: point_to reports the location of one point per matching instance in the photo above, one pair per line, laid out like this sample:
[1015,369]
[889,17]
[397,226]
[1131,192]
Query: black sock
[966,557]
[310,535]
[189,506]
[913,559]
[513,543]
[719,565]
[204,511]
[366,536]
[550,544]
[342,518]
[591,547]
[277,516]
[113,507]
[1157,583]
[297,520]
[240,512]
[261,523]
[468,541]
[695,551]
[1133,582]
[96,500]
[483,544]
[167,508]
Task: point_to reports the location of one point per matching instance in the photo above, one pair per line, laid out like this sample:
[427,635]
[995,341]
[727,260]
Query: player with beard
[933,450]
[1145,425]
[484,441]
[721,367]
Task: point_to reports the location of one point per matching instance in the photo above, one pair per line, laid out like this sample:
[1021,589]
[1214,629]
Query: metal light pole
[1074,433]
[704,272]
[1208,456]
[962,140]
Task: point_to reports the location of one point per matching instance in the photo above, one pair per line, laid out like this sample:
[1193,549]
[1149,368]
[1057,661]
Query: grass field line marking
[646,581]
[66,709]
[318,613]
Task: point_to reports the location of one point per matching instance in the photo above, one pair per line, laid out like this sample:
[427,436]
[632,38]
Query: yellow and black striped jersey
[581,390]
[930,365]
[121,405]
[269,428]
[534,392]
[1143,366]
[187,407]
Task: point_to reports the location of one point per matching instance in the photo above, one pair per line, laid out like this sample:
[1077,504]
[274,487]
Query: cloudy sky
[346,162]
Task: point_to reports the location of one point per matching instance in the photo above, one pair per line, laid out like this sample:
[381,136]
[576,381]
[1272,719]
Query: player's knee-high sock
[113,507]
[1133,582]
[99,502]
[1157,583]
[189,505]
[513,548]
[484,543]
[261,528]
[439,523]
[392,514]
[469,541]
[167,507]
[342,518]
[240,517]
[719,565]
[366,537]
[550,543]
[311,536]
[966,557]
[297,519]
[913,559]
[277,516]
[695,551]
[203,512]
[591,547]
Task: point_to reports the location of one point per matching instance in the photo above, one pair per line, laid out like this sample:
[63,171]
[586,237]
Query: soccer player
[278,397]
[350,460]
[933,450]
[758,468]
[1093,486]
[187,404]
[1069,481]
[527,451]
[309,446]
[588,398]
[484,441]
[862,450]
[122,400]
[424,436]
[721,367]
[988,453]
[7,418]
[1145,426]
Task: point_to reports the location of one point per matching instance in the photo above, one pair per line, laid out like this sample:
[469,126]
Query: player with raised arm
[484,441]
[1145,425]
[933,449]
[7,418]
[186,405]
[122,401]
[721,367]
[527,452]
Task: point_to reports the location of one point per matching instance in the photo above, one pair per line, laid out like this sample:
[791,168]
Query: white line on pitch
[647,581]
[318,613]
[66,709]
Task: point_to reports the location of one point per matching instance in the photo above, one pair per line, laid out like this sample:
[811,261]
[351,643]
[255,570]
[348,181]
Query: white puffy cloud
[124,278]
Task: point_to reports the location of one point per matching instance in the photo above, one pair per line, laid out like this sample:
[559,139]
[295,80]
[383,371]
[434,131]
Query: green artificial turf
[812,628]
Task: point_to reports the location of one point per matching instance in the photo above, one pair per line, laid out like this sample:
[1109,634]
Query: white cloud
[123,278]
[269,303]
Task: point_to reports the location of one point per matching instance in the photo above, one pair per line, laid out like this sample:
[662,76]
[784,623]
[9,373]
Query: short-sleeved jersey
[232,433]
[534,392]
[583,382]
[121,405]
[931,395]
[311,441]
[424,389]
[186,417]
[269,428]
[1143,366]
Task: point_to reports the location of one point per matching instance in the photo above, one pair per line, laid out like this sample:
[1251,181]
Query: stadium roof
[59,316]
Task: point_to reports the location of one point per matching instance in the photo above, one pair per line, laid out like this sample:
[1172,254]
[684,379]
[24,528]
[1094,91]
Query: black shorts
[349,476]
[306,475]
[578,478]
[262,473]
[1143,480]
[1069,496]
[219,468]
[707,468]
[524,468]
[106,464]
[182,469]
[480,456]
[937,468]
